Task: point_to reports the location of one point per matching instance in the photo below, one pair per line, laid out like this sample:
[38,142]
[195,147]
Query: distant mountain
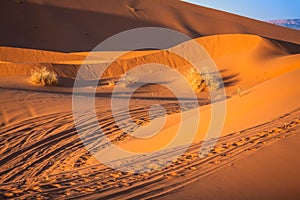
[290,23]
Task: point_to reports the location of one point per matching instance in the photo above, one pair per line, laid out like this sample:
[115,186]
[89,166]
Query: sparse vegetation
[43,77]
[129,80]
[199,81]
[195,80]
[241,91]
[111,83]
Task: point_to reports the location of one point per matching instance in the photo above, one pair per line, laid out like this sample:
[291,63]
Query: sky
[257,9]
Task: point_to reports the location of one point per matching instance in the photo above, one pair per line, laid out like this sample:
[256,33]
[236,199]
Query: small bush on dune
[195,80]
[128,80]
[199,81]
[43,77]
[212,82]
[111,83]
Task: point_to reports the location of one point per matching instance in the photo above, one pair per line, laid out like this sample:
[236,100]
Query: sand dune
[249,177]
[44,122]
[19,55]
[239,110]
[42,154]
[236,56]
[77,26]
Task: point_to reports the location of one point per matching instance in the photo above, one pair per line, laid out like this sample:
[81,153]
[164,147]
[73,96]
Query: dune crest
[42,154]
[89,24]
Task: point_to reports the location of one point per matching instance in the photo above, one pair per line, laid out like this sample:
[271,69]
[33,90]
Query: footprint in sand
[36,188]
[89,189]
[251,149]
[177,162]
[227,155]
[117,175]
[9,194]
[215,162]
[153,166]
[203,155]
[192,168]
[17,191]
[219,149]
[57,185]
[172,174]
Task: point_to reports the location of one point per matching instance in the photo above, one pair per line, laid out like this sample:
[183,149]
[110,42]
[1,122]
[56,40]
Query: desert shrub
[43,77]
[241,91]
[199,81]
[195,80]
[212,81]
[111,83]
[128,80]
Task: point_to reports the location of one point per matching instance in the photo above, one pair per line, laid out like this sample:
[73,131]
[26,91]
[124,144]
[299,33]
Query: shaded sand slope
[80,26]
[237,56]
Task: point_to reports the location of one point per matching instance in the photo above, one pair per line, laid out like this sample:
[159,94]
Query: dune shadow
[229,79]
[57,28]
[70,82]
[145,84]
[46,27]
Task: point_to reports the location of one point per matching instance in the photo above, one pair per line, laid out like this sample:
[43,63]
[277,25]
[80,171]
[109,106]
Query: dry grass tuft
[128,80]
[200,81]
[111,83]
[43,77]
